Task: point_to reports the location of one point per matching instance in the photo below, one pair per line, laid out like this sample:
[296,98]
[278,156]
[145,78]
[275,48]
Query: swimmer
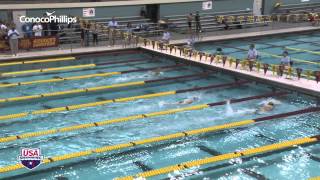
[188,101]
[157,72]
[266,107]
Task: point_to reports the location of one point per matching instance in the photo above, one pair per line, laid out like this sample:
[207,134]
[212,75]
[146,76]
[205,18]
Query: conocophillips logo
[48,19]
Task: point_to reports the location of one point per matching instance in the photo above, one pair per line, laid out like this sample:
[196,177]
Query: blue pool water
[273,45]
[280,165]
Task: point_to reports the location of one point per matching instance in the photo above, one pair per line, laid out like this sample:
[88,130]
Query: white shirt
[113,24]
[286,60]
[252,54]
[37,29]
[166,36]
[3,27]
[13,34]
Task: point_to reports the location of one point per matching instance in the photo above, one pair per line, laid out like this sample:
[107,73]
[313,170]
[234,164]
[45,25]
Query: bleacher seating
[213,21]
[68,35]
[297,8]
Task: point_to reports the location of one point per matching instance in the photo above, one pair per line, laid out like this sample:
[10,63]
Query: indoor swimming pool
[109,107]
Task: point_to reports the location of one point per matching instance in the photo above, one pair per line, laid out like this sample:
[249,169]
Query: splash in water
[229,110]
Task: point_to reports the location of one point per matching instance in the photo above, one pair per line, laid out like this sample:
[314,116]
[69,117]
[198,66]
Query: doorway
[152,12]
[258,7]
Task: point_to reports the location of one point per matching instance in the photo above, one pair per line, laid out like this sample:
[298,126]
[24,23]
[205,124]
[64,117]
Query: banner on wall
[89,12]
[206,5]
[33,43]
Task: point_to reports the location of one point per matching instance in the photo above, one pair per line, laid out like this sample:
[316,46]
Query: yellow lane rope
[74,91]
[85,105]
[303,50]
[60,79]
[315,178]
[100,123]
[295,59]
[223,157]
[45,70]
[37,61]
[131,144]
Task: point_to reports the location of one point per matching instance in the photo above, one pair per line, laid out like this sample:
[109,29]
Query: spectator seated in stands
[226,26]
[113,23]
[313,18]
[166,37]
[142,27]
[3,30]
[190,43]
[128,28]
[3,26]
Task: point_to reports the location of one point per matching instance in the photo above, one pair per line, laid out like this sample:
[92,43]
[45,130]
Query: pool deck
[310,87]
[79,50]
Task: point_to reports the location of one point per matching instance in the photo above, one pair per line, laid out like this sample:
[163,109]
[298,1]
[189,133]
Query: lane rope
[94,89]
[130,118]
[223,157]
[88,76]
[109,148]
[38,61]
[45,70]
[125,99]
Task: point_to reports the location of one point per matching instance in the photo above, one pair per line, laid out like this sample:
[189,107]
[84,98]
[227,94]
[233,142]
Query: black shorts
[189,24]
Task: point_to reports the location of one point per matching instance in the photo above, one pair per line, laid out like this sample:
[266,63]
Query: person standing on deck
[189,21]
[252,53]
[197,19]
[13,36]
[286,59]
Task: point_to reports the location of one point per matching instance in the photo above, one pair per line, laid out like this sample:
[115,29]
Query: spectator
[3,26]
[129,29]
[189,20]
[27,30]
[94,34]
[113,23]
[37,29]
[197,19]
[54,27]
[143,12]
[13,35]
[45,27]
[226,26]
[86,35]
[252,53]
[166,37]
[3,30]
[191,42]
[82,31]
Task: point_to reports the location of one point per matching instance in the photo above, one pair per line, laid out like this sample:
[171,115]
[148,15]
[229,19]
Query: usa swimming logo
[30,157]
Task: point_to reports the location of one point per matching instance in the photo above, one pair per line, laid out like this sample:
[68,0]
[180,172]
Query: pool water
[289,164]
[269,46]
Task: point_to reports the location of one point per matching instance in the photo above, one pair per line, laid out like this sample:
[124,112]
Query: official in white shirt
[113,23]
[13,35]
[166,37]
[252,53]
